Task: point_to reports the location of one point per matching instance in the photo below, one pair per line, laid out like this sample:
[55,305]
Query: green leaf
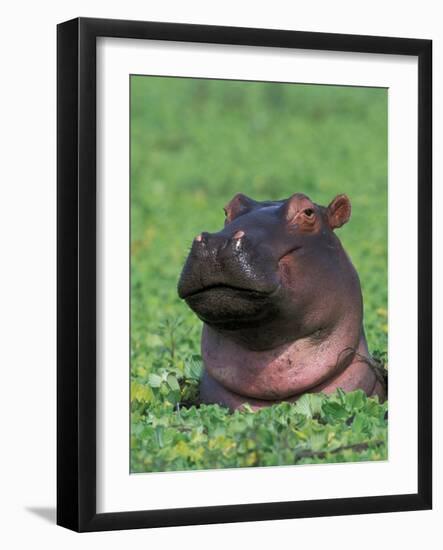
[359,423]
[193,369]
[355,400]
[172,382]
[141,392]
[309,404]
[334,410]
[341,396]
[154,380]
[154,340]
[173,397]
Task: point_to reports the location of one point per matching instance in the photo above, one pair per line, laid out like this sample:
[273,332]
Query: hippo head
[275,272]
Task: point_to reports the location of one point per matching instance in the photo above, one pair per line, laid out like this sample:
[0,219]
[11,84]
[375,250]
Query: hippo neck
[285,370]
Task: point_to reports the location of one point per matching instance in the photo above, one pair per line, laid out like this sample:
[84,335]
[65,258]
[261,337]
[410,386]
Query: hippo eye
[309,212]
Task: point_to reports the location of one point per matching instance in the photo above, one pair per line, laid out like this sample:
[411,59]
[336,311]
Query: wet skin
[281,304]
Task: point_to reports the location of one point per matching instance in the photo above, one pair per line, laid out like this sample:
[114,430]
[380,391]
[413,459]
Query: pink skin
[213,392]
[238,376]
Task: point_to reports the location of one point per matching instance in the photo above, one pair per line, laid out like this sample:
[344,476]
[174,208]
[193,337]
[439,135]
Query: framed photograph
[244,274]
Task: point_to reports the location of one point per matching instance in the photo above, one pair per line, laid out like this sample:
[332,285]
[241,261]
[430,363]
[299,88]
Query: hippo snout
[227,279]
[226,260]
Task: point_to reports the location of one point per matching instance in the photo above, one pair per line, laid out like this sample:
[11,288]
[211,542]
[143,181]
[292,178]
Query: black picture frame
[76,266]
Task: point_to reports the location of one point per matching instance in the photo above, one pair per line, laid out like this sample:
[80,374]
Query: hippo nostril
[202,238]
[237,238]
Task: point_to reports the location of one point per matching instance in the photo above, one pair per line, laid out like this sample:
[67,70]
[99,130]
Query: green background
[194,144]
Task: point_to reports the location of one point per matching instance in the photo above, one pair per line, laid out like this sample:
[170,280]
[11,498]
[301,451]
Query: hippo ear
[339,211]
[237,206]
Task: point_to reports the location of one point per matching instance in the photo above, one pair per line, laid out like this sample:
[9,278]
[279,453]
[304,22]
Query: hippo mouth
[228,306]
[227,289]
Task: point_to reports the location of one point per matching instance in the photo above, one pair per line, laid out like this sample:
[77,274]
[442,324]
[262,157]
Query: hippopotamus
[281,304]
